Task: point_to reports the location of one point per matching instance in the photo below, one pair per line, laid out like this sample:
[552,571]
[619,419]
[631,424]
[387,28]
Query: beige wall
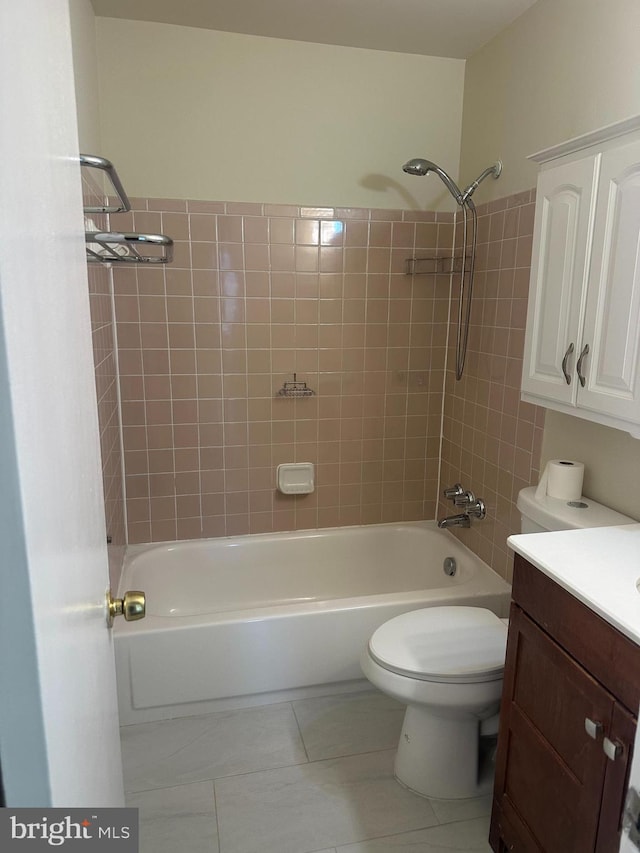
[189,113]
[562,69]
[611,458]
[85,70]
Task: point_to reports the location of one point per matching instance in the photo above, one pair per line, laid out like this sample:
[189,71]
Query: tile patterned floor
[310,776]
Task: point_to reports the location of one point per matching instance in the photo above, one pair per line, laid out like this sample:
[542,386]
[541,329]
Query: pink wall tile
[266,291]
[491,441]
[259,294]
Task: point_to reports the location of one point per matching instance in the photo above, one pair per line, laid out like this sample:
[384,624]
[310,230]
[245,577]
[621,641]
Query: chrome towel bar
[108,247]
[108,168]
[115,247]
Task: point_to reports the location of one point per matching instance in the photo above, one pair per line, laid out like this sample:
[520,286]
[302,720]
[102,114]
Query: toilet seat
[442,644]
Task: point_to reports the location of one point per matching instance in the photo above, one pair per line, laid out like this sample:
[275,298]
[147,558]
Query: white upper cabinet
[558,272]
[582,344]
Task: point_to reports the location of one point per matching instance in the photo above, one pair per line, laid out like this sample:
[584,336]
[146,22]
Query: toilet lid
[454,644]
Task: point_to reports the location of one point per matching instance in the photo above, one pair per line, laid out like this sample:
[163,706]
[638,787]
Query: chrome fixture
[460,520]
[113,247]
[449,566]
[472,507]
[108,247]
[477,509]
[567,375]
[295,388]
[420,167]
[436,265]
[464,499]
[453,491]
[495,170]
[581,358]
[106,166]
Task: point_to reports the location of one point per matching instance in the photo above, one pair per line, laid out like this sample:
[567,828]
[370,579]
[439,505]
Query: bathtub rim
[484,579]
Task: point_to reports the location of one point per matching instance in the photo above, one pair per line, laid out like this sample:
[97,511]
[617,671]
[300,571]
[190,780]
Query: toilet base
[443,758]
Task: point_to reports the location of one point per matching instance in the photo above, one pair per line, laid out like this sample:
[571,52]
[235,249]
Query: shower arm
[494,170]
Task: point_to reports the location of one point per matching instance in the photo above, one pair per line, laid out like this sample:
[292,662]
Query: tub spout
[461,520]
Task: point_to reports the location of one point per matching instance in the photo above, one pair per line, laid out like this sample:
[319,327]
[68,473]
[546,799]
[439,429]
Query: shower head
[420,167]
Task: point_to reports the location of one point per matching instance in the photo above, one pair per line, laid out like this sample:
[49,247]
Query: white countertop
[600,566]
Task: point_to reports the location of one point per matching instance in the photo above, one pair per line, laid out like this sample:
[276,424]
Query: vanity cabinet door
[623,729]
[611,367]
[560,258]
[550,774]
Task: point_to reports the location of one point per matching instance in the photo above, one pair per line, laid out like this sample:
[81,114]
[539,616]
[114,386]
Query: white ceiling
[454,28]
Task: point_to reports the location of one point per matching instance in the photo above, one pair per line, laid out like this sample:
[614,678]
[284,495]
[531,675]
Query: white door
[58,716]
[612,365]
[561,245]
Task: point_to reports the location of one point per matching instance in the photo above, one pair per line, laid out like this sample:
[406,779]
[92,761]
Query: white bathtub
[269,617]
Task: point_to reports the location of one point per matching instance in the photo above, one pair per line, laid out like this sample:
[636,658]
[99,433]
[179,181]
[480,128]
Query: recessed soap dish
[296,478]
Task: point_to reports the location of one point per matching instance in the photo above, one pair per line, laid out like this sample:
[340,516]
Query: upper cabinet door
[561,246]
[612,320]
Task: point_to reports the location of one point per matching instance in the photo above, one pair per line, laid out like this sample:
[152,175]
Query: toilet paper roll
[562,479]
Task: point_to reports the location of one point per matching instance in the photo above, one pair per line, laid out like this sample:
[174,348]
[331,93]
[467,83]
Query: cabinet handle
[593,728]
[612,748]
[584,352]
[567,376]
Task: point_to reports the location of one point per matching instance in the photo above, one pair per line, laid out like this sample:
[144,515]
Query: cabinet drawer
[609,656]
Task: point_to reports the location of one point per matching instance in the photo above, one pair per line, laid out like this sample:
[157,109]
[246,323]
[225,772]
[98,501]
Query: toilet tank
[538,514]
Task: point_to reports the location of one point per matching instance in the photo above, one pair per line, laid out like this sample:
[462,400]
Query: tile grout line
[267,770]
[304,745]
[215,812]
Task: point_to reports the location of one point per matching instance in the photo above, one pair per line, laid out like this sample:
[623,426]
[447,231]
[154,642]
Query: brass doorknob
[132,606]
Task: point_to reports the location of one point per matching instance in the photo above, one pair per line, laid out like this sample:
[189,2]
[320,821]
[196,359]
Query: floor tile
[317,805]
[345,725]
[191,749]
[448,811]
[181,818]
[468,836]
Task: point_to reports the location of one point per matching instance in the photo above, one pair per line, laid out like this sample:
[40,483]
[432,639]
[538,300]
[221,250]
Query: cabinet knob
[581,376]
[593,728]
[613,749]
[567,376]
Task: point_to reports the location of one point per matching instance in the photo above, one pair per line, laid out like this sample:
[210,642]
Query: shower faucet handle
[476,509]
[465,499]
[453,491]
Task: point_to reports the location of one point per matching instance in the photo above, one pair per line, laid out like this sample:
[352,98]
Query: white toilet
[446,664]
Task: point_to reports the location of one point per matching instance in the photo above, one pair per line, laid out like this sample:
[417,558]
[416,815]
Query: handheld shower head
[420,167]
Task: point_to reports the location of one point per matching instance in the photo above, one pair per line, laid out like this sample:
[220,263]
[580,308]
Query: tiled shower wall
[255,294]
[492,440]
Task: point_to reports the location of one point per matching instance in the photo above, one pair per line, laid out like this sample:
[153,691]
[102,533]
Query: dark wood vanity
[567,726]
